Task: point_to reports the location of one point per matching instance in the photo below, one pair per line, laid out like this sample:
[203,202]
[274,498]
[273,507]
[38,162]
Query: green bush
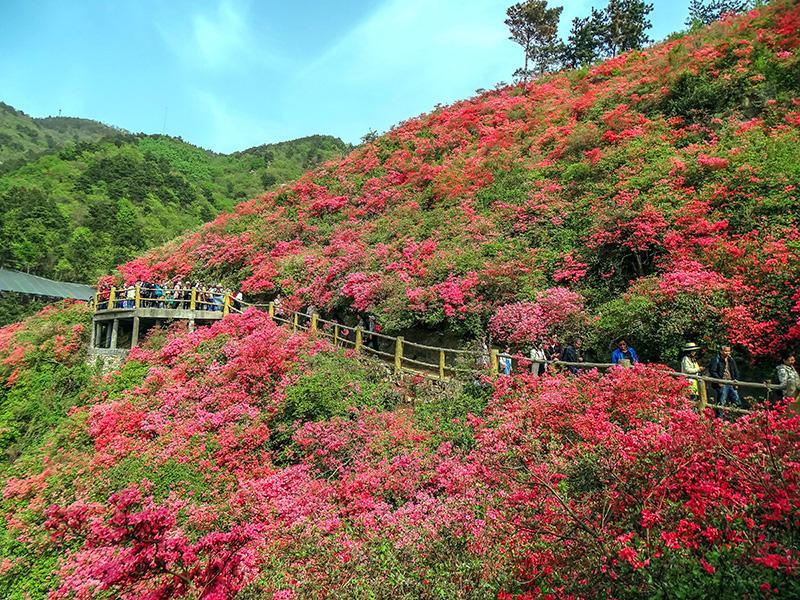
[330,386]
[445,414]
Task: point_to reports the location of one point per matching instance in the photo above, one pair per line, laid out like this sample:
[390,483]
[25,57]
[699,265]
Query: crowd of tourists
[175,294]
[553,358]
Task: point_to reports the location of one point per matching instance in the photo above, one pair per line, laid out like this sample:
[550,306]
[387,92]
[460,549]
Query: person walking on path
[691,366]
[538,359]
[505,361]
[573,354]
[723,366]
[787,377]
[623,354]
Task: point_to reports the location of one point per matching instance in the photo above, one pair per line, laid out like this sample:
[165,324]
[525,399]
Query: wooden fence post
[314,322]
[336,334]
[271,310]
[441,364]
[138,297]
[294,321]
[111,296]
[398,354]
[703,395]
[358,338]
[193,300]
[495,362]
[226,304]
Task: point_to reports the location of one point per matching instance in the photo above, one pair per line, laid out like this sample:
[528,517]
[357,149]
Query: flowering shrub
[640,497]
[556,313]
[226,466]
[647,165]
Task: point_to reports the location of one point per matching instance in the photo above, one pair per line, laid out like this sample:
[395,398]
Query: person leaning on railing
[787,377]
[624,354]
[723,366]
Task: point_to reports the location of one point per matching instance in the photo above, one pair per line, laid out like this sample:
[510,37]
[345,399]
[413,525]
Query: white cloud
[403,59]
[419,36]
[229,130]
[221,39]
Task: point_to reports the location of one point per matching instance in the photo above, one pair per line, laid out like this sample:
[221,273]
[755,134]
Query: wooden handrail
[292,318]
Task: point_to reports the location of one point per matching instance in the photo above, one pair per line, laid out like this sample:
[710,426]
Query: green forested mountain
[23,137]
[76,212]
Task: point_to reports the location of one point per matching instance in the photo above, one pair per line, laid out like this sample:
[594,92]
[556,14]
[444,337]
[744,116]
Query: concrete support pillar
[93,334]
[191,325]
[114,334]
[135,333]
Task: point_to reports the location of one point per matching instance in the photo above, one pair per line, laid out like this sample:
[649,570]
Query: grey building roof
[16,281]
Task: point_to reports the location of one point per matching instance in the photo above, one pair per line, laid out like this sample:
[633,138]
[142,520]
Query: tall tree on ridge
[625,25]
[534,26]
[582,47]
[704,12]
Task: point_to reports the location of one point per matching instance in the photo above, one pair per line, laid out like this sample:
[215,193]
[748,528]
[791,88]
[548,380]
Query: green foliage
[698,97]
[15,307]
[656,330]
[77,211]
[331,386]
[705,12]
[445,414]
[166,477]
[43,389]
[534,26]
[23,138]
[624,26]
[35,572]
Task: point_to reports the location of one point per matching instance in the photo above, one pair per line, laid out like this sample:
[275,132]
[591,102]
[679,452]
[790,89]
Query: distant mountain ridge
[23,136]
[77,197]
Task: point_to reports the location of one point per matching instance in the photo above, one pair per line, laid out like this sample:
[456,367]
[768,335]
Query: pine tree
[582,47]
[624,26]
[704,12]
[534,26]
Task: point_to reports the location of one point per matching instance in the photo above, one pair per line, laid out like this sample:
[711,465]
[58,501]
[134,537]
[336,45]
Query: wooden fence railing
[431,361]
[443,363]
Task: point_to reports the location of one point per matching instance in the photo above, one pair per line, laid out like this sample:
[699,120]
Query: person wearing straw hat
[690,366]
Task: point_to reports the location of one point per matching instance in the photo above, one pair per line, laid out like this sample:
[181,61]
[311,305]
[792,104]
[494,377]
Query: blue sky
[230,74]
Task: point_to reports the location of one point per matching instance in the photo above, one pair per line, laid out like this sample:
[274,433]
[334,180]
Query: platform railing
[137,297]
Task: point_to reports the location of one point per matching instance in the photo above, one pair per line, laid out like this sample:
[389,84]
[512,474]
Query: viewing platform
[123,316]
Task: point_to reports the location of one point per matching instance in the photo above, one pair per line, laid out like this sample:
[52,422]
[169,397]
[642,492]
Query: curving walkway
[121,313]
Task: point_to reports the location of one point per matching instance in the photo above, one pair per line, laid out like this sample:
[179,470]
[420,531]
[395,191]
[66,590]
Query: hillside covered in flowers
[242,460]
[652,195]
[662,186]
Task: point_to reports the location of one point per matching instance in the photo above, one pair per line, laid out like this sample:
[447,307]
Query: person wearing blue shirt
[623,354]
